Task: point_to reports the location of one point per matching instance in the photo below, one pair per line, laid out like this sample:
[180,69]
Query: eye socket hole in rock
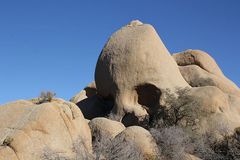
[148,96]
[131,120]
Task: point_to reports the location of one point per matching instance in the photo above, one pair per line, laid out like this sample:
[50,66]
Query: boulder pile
[144,104]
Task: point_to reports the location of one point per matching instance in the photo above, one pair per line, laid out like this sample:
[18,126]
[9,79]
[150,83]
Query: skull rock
[134,68]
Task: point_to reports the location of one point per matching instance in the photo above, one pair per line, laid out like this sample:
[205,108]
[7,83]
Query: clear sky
[54,44]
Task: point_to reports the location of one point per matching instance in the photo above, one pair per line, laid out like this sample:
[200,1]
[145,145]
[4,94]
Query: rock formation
[134,69]
[34,130]
[87,92]
[199,58]
[200,69]
[142,139]
[105,127]
[144,104]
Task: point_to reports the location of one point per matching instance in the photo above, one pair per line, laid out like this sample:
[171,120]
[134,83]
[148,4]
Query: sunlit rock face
[144,104]
[134,68]
[33,131]
[199,69]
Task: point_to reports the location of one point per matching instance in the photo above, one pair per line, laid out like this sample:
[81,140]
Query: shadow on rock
[95,106]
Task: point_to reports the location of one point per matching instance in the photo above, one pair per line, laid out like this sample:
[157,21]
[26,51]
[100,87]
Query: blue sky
[54,44]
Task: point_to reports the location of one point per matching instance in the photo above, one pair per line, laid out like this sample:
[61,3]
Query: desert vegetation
[46,97]
[140,106]
[174,128]
[78,150]
[105,148]
[174,139]
[7,141]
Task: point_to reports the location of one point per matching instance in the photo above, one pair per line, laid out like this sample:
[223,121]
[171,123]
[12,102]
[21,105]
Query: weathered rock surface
[27,130]
[6,153]
[135,60]
[214,113]
[235,103]
[199,58]
[206,109]
[141,139]
[198,77]
[211,99]
[105,127]
[87,92]
[200,69]
[137,83]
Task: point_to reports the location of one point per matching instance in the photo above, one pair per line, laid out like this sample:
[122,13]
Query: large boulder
[206,115]
[135,63]
[29,131]
[103,132]
[141,139]
[210,99]
[199,58]
[198,77]
[199,69]
[203,109]
[235,103]
[105,127]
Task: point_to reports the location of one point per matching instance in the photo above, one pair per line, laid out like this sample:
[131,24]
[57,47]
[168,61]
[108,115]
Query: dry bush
[46,97]
[105,148]
[203,148]
[48,154]
[171,137]
[79,150]
[7,141]
[172,142]
[227,148]
[177,107]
